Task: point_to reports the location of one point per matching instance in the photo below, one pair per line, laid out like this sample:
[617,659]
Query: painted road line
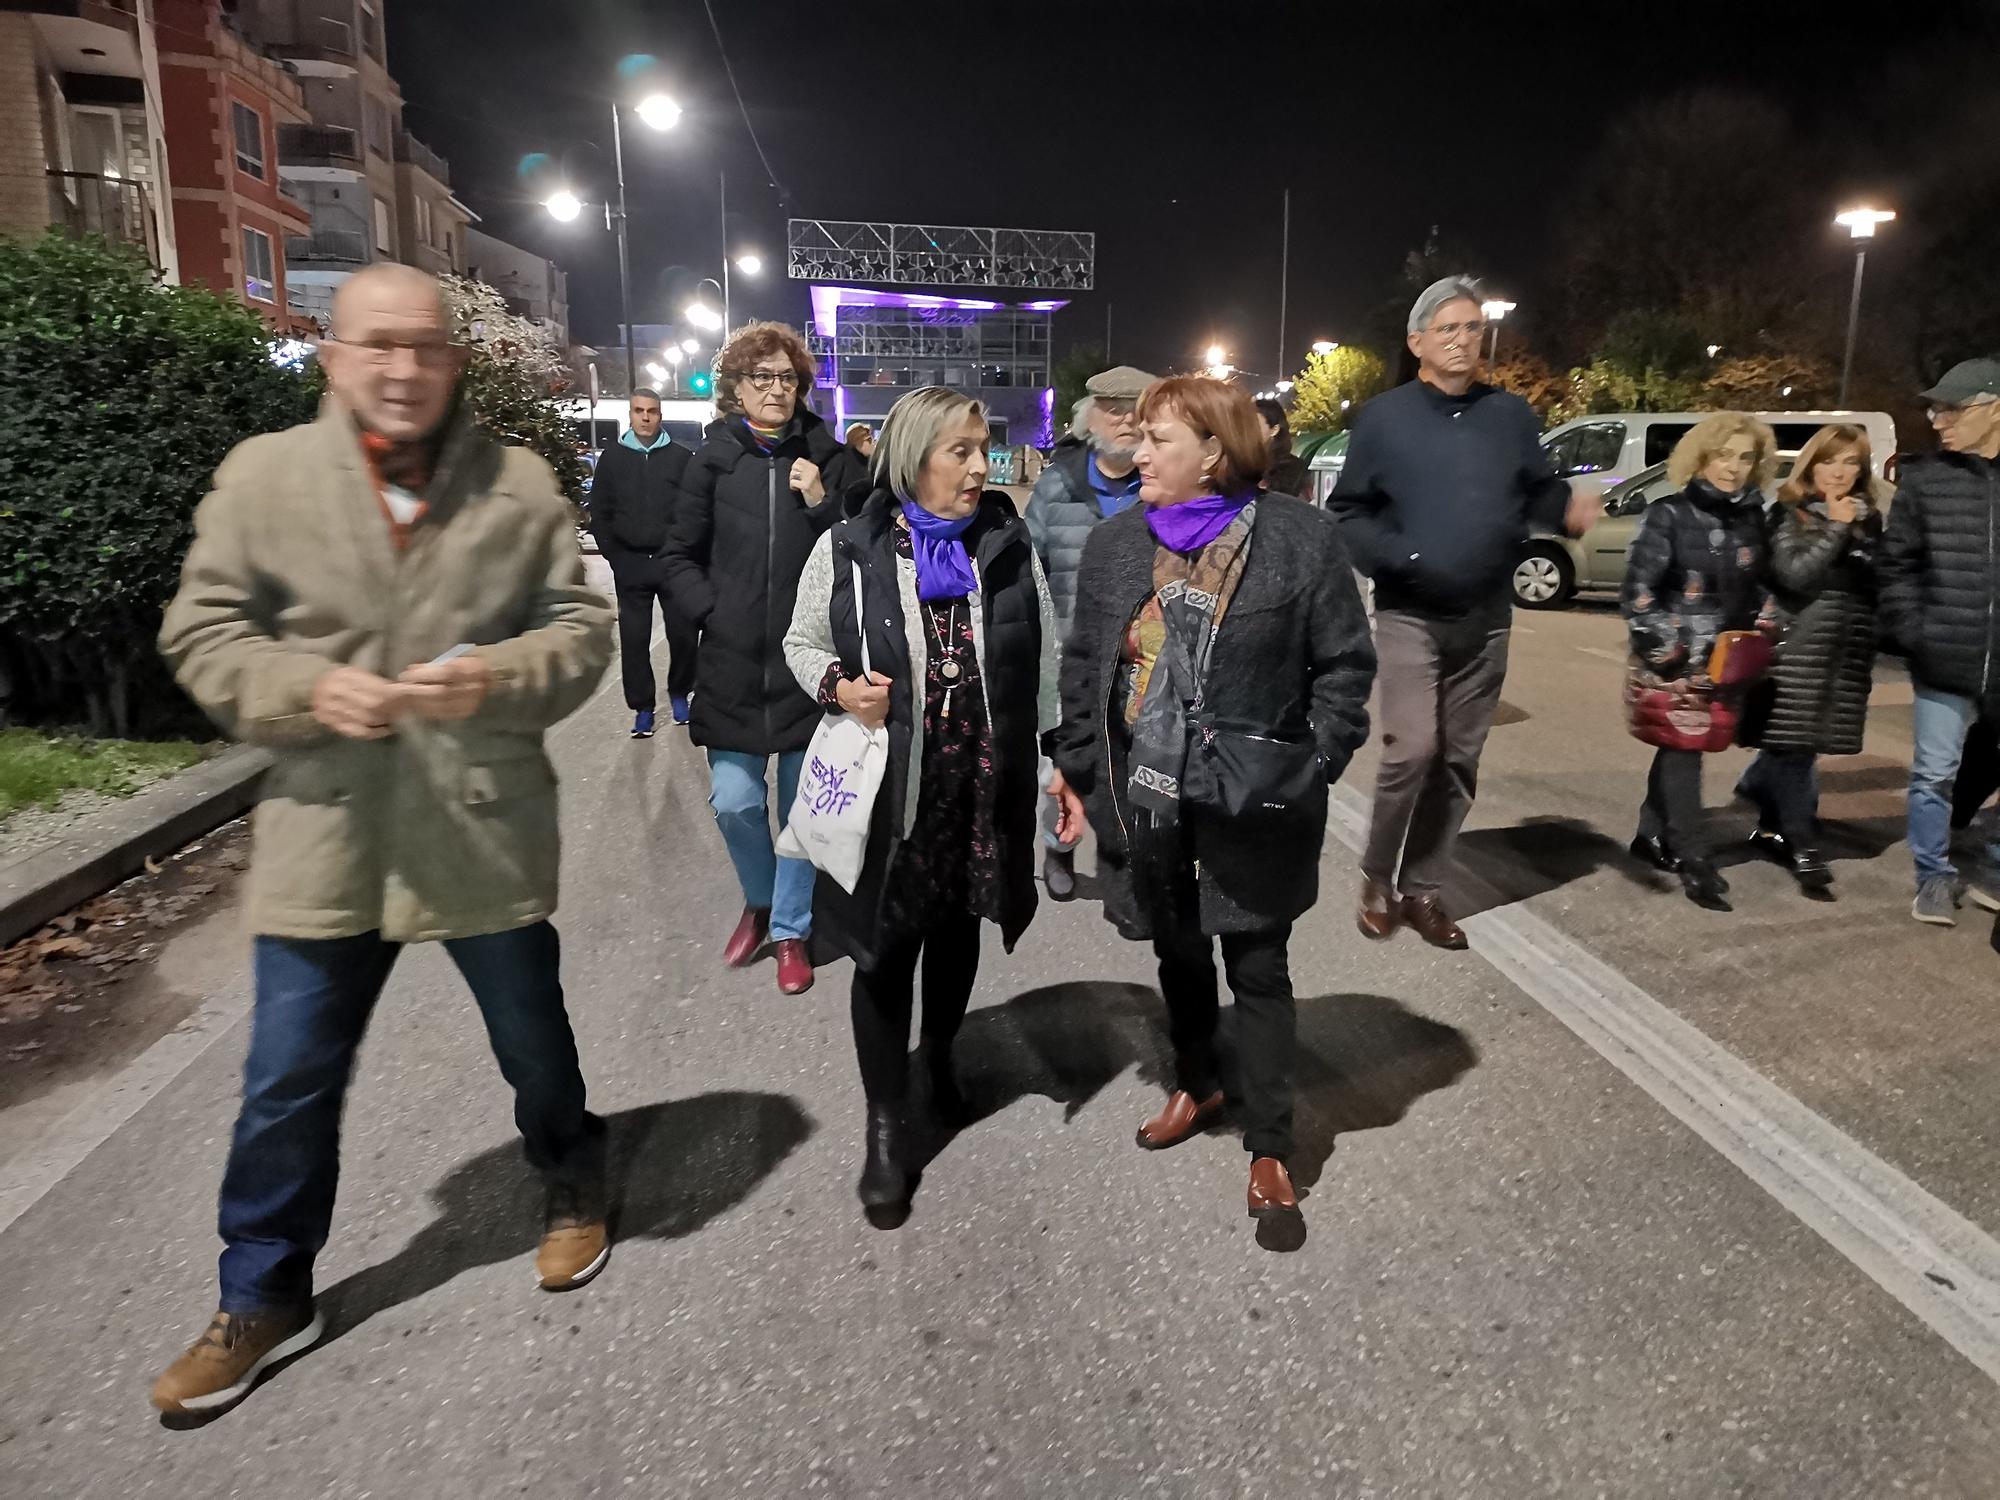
[1932,1259]
[1620,657]
[27,1177]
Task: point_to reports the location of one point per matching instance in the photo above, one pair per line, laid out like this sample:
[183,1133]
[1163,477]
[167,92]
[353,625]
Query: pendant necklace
[949,670]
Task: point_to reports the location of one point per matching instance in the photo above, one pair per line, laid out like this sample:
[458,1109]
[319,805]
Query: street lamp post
[1860,224]
[1495,313]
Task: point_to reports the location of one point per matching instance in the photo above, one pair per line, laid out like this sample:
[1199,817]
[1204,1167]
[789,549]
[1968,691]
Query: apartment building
[534,286]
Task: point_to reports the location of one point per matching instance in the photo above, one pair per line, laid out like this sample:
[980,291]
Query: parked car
[1554,569]
[1614,447]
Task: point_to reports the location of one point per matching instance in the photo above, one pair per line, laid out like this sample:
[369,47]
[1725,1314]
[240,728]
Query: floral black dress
[950,863]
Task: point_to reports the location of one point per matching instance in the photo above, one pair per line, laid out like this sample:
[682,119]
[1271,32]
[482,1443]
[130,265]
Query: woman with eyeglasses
[763,487]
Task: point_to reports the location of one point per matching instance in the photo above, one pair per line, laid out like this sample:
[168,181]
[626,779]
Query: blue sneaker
[680,707]
[642,724]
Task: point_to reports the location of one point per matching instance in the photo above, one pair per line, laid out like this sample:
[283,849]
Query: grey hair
[1438,293]
[911,431]
[1079,420]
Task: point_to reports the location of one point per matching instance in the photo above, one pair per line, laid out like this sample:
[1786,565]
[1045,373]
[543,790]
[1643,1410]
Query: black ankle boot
[1772,844]
[885,1184]
[1810,870]
[1704,885]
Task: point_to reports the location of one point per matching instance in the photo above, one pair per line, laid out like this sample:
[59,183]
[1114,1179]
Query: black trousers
[640,582]
[1260,979]
[1672,809]
[1785,787]
[884,996]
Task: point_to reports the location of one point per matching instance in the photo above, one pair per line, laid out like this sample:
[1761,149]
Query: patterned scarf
[764,437]
[1171,640]
[407,466]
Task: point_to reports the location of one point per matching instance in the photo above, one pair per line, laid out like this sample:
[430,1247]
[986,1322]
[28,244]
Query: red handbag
[1739,657]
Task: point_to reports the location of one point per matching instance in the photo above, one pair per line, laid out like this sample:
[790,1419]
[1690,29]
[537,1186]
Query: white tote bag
[828,823]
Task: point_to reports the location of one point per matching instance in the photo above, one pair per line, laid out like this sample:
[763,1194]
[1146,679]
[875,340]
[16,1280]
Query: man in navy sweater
[1443,478]
[632,500]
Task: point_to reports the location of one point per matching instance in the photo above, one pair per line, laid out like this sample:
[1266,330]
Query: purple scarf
[944,567]
[1193,524]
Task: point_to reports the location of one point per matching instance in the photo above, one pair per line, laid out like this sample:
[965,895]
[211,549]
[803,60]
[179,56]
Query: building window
[249,139]
[259,274]
[381,132]
[384,228]
[371,31]
[423,219]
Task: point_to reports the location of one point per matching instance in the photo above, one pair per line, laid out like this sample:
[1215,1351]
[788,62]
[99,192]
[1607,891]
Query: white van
[1611,447]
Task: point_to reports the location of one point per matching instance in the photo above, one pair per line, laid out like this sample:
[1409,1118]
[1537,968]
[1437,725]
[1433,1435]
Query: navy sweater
[1438,493]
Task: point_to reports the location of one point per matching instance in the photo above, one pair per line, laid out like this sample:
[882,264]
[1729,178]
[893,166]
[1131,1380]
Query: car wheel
[1544,578]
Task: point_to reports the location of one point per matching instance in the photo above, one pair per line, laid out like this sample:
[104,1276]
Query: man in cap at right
[1940,569]
[1090,478]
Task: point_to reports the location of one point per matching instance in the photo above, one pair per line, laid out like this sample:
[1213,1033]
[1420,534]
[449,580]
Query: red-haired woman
[1214,682]
[1822,570]
[764,484]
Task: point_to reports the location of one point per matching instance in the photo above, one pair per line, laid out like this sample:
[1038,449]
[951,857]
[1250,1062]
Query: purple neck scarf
[1193,524]
[944,567]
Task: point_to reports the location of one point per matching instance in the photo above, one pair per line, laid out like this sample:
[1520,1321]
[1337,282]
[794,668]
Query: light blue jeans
[738,795]
[1941,721]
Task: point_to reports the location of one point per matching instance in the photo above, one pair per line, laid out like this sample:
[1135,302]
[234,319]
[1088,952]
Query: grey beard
[1106,450]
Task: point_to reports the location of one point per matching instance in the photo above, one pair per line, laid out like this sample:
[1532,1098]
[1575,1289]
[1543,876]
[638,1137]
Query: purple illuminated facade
[873,346]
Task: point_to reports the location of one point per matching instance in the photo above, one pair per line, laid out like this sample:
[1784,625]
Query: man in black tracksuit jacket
[1442,480]
[632,501]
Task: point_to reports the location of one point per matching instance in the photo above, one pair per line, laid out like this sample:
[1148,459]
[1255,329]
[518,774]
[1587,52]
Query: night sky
[1168,129]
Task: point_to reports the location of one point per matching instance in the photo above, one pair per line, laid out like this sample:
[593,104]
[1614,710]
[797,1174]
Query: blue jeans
[739,797]
[1942,721]
[314,997]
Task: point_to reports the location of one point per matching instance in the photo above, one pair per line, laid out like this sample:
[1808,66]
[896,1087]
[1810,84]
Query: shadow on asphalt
[674,1166]
[1362,1060]
[1503,865]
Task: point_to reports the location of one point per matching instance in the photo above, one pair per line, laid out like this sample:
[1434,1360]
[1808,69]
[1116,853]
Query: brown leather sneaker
[748,939]
[1427,915]
[1381,913]
[226,1360]
[1183,1116]
[1271,1189]
[571,1254]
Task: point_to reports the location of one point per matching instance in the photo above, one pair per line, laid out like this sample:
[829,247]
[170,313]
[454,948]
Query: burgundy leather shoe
[1184,1116]
[1427,915]
[748,938]
[1381,913]
[795,970]
[1271,1189]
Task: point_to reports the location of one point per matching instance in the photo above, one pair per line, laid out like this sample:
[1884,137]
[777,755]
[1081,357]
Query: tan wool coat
[441,830]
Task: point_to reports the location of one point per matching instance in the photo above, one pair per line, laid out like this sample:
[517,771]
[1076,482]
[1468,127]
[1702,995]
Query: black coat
[1823,573]
[1010,603]
[1697,568]
[740,534]
[1294,655]
[633,496]
[1288,475]
[1940,572]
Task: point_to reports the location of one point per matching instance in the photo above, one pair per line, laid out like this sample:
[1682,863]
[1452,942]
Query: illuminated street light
[658,111]
[1860,224]
[564,205]
[1713,350]
[1216,354]
[692,346]
[703,316]
[1324,346]
[1284,386]
[750,265]
[674,354]
[657,371]
[1495,312]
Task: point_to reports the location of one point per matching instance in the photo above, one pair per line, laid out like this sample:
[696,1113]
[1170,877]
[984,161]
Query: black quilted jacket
[1697,568]
[1941,572]
[1824,576]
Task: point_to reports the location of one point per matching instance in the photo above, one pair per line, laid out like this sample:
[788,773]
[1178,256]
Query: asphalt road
[1526,1275]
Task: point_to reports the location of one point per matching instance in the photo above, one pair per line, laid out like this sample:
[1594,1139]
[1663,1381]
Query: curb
[116,843]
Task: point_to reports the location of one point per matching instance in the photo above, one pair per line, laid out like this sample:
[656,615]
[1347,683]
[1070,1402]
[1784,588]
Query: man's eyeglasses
[1953,413]
[1450,332]
[1112,408]
[764,380]
[431,354]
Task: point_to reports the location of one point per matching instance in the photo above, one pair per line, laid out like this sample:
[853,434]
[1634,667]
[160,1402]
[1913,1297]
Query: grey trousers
[1441,683]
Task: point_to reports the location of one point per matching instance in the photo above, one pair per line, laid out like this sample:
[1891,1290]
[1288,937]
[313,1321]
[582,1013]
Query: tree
[118,397]
[1332,384]
[515,372]
[1770,382]
[1602,386]
[1646,339]
[1068,377]
[1533,379]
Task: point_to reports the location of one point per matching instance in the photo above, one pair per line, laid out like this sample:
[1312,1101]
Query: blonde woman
[1823,544]
[1697,569]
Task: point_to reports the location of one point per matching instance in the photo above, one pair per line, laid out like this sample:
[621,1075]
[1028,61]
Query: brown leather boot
[1183,1116]
[748,939]
[1271,1189]
[1380,914]
[1427,915]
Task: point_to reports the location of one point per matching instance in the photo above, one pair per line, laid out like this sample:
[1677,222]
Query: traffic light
[700,382]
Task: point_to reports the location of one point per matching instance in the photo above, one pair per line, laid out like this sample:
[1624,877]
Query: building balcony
[322,47]
[319,147]
[413,152]
[327,247]
[83,203]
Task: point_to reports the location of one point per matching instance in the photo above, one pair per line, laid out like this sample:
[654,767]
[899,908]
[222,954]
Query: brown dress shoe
[571,1254]
[795,970]
[226,1360]
[1427,914]
[1184,1116]
[1271,1189]
[748,938]
[1380,914]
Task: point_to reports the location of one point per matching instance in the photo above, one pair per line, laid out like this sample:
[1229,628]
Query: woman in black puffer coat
[1697,569]
[1823,543]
